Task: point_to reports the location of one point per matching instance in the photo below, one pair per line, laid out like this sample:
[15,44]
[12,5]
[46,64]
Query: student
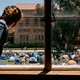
[23,59]
[9,18]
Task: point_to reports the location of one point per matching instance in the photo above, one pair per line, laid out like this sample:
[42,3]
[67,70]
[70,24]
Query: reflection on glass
[65,33]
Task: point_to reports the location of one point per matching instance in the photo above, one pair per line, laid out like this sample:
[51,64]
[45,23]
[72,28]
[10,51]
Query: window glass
[35,22]
[27,22]
[65,32]
[41,22]
[28,45]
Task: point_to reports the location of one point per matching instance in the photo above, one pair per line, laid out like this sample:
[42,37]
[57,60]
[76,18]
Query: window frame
[47,19]
[47,49]
[47,64]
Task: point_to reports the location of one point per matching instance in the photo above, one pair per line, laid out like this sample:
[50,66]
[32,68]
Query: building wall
[30,33]
[28,12]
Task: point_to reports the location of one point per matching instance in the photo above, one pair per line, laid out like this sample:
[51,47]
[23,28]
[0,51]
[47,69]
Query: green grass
[11,48]
[21,49]
[6,62]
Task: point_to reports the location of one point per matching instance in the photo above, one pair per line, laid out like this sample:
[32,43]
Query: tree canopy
[66,31]
[69,6]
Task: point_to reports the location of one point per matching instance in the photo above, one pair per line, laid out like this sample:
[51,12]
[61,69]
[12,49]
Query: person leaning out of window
[9,18]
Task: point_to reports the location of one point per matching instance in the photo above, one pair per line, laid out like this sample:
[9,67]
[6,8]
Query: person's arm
[3,36]
[1,31]
[1,44]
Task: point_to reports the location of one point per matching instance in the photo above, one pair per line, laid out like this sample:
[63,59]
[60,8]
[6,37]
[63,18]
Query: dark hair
[11,14]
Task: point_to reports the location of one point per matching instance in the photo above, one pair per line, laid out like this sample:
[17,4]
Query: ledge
[40,73]
[31,67]
[39,70]
[36,67]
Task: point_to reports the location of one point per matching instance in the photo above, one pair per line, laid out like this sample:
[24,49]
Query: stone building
[30,29]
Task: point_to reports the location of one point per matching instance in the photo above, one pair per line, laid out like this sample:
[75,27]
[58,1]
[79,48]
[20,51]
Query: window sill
[40,73]
[38,70]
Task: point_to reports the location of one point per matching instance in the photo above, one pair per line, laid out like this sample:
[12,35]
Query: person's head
[11,15]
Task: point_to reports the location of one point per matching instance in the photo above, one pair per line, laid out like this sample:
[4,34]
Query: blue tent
[4,57]
[1,63]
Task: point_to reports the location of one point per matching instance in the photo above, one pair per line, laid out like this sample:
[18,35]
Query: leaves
[69,6]
[39,9]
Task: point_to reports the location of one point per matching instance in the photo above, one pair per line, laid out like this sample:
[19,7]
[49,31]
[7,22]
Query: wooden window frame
[47,65]
[47,19]
[47,51]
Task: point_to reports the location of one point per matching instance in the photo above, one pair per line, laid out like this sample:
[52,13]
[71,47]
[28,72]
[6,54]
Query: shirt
[3,34]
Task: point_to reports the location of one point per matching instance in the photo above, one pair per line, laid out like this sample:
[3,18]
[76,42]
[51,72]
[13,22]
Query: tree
[66,31]
[70,6]
[39,9]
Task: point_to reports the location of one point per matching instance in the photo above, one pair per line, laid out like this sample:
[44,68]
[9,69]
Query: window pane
[29,40]
[41,22]
[35,22]
[65,32]
[27,22]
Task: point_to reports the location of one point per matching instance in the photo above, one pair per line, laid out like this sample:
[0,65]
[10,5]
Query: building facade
[31,27]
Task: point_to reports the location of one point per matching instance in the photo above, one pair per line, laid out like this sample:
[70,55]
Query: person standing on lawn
[9,18]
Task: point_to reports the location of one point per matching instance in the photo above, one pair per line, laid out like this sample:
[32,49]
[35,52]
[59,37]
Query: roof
[28,6]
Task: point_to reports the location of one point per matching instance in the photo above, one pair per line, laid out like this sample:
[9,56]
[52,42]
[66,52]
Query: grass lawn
[6,62]
[21,48]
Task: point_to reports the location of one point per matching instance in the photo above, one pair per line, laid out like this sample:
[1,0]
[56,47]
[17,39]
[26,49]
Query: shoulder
[2,22]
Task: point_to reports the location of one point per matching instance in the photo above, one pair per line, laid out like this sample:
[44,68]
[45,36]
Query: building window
[42,37]
[21,24]
[41,22]
[39,37]
[23,37]
[35,22]
[27,22]
[23,30]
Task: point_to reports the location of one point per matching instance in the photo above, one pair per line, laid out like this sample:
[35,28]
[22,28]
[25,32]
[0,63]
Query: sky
[4,3]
